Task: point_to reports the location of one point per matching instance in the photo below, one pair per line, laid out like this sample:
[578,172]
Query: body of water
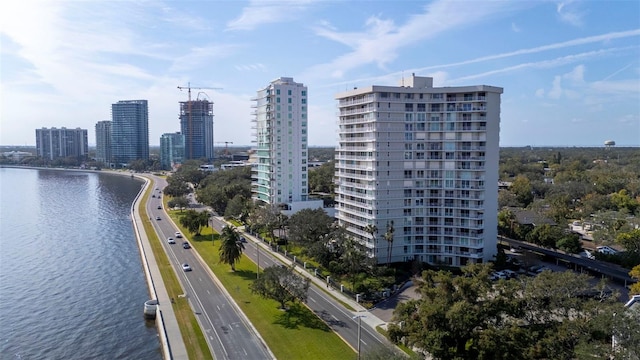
[71,279]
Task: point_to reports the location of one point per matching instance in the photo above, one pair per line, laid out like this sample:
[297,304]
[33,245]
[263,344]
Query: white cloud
[568,13]
[556,88]
[381,40]
[261,12]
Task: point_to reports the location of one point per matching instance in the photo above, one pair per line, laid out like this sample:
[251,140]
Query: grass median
[293,334]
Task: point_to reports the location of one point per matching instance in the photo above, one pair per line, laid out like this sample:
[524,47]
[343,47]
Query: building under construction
[196,124]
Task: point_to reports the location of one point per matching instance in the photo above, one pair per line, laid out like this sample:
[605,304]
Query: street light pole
[258,261]
[359,331]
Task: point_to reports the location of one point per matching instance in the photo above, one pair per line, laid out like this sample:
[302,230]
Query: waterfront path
[168,330]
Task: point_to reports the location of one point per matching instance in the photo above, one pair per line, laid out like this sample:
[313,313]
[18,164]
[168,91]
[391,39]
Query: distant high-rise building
[103,141]
[280,175]
[171,150]
[61,143]
[129,131]
[196,124]
[421,161]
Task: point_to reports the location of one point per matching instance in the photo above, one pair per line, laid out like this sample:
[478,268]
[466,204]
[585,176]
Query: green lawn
[294,334]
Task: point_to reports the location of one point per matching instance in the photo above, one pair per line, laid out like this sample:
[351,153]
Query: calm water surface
[71,280]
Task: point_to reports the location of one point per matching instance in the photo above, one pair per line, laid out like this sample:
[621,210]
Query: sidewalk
[370,319]
[168,330]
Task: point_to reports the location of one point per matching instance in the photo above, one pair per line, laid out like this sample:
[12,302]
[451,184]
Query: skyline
[570,70]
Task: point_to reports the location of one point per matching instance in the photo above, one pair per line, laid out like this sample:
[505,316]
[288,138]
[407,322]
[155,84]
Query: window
[408,174]
[421,107]
[277,91]
[289,100]
[289,92]
[304,93]
[278,100]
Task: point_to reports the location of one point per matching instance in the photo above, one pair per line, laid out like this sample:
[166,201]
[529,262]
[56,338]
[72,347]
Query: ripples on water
[71,281]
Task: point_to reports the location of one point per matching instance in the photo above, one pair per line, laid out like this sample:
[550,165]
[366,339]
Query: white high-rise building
[424,160]
[280,172]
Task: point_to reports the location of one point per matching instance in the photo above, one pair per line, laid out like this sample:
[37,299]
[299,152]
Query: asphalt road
[341,320]
[228,333]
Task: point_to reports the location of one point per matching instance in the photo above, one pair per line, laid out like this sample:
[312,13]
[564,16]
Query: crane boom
[189,87]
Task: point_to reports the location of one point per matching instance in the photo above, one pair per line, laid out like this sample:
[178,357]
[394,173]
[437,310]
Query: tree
[631,241]
[308,226]
[550,316]
[281,284]
[372,230]
[191,219]
[635,273]
[179,202]
[521,187]
[388,236]
[570,243]
[354,260]
[230,248]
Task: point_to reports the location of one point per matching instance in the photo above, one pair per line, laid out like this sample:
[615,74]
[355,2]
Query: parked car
[587,254]
[185,245]
[510,273]
[606,250]
[497,275]
[171,241]
[186,267]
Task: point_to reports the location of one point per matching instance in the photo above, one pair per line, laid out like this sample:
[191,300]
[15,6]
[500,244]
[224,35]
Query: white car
[186,267]
[587,254]
[178,235]
[607,250]
[171,241]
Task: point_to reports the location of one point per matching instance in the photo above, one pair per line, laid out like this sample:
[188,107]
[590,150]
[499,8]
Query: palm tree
[389,237]
[372,230]
[231,248]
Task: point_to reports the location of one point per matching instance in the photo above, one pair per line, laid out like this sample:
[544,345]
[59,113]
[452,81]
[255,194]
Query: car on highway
[171,241]
[157,217]
[186,267]
[186,245]
[178,235]
[159,207]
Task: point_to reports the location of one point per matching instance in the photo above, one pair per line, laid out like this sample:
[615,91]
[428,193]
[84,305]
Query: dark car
[159,207]
[186,245]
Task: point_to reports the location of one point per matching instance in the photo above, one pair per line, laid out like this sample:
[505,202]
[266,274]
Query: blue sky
[570,69]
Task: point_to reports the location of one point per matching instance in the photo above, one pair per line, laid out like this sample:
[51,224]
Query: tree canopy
[556,315]
[281,284]
[231,248]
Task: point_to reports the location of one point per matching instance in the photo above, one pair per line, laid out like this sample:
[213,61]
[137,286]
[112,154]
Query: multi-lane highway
[228,333]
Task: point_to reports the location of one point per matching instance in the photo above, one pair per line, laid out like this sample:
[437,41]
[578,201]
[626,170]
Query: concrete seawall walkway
[171,342]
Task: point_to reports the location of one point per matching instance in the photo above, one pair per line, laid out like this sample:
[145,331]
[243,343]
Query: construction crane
[190,135]
[226,146]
